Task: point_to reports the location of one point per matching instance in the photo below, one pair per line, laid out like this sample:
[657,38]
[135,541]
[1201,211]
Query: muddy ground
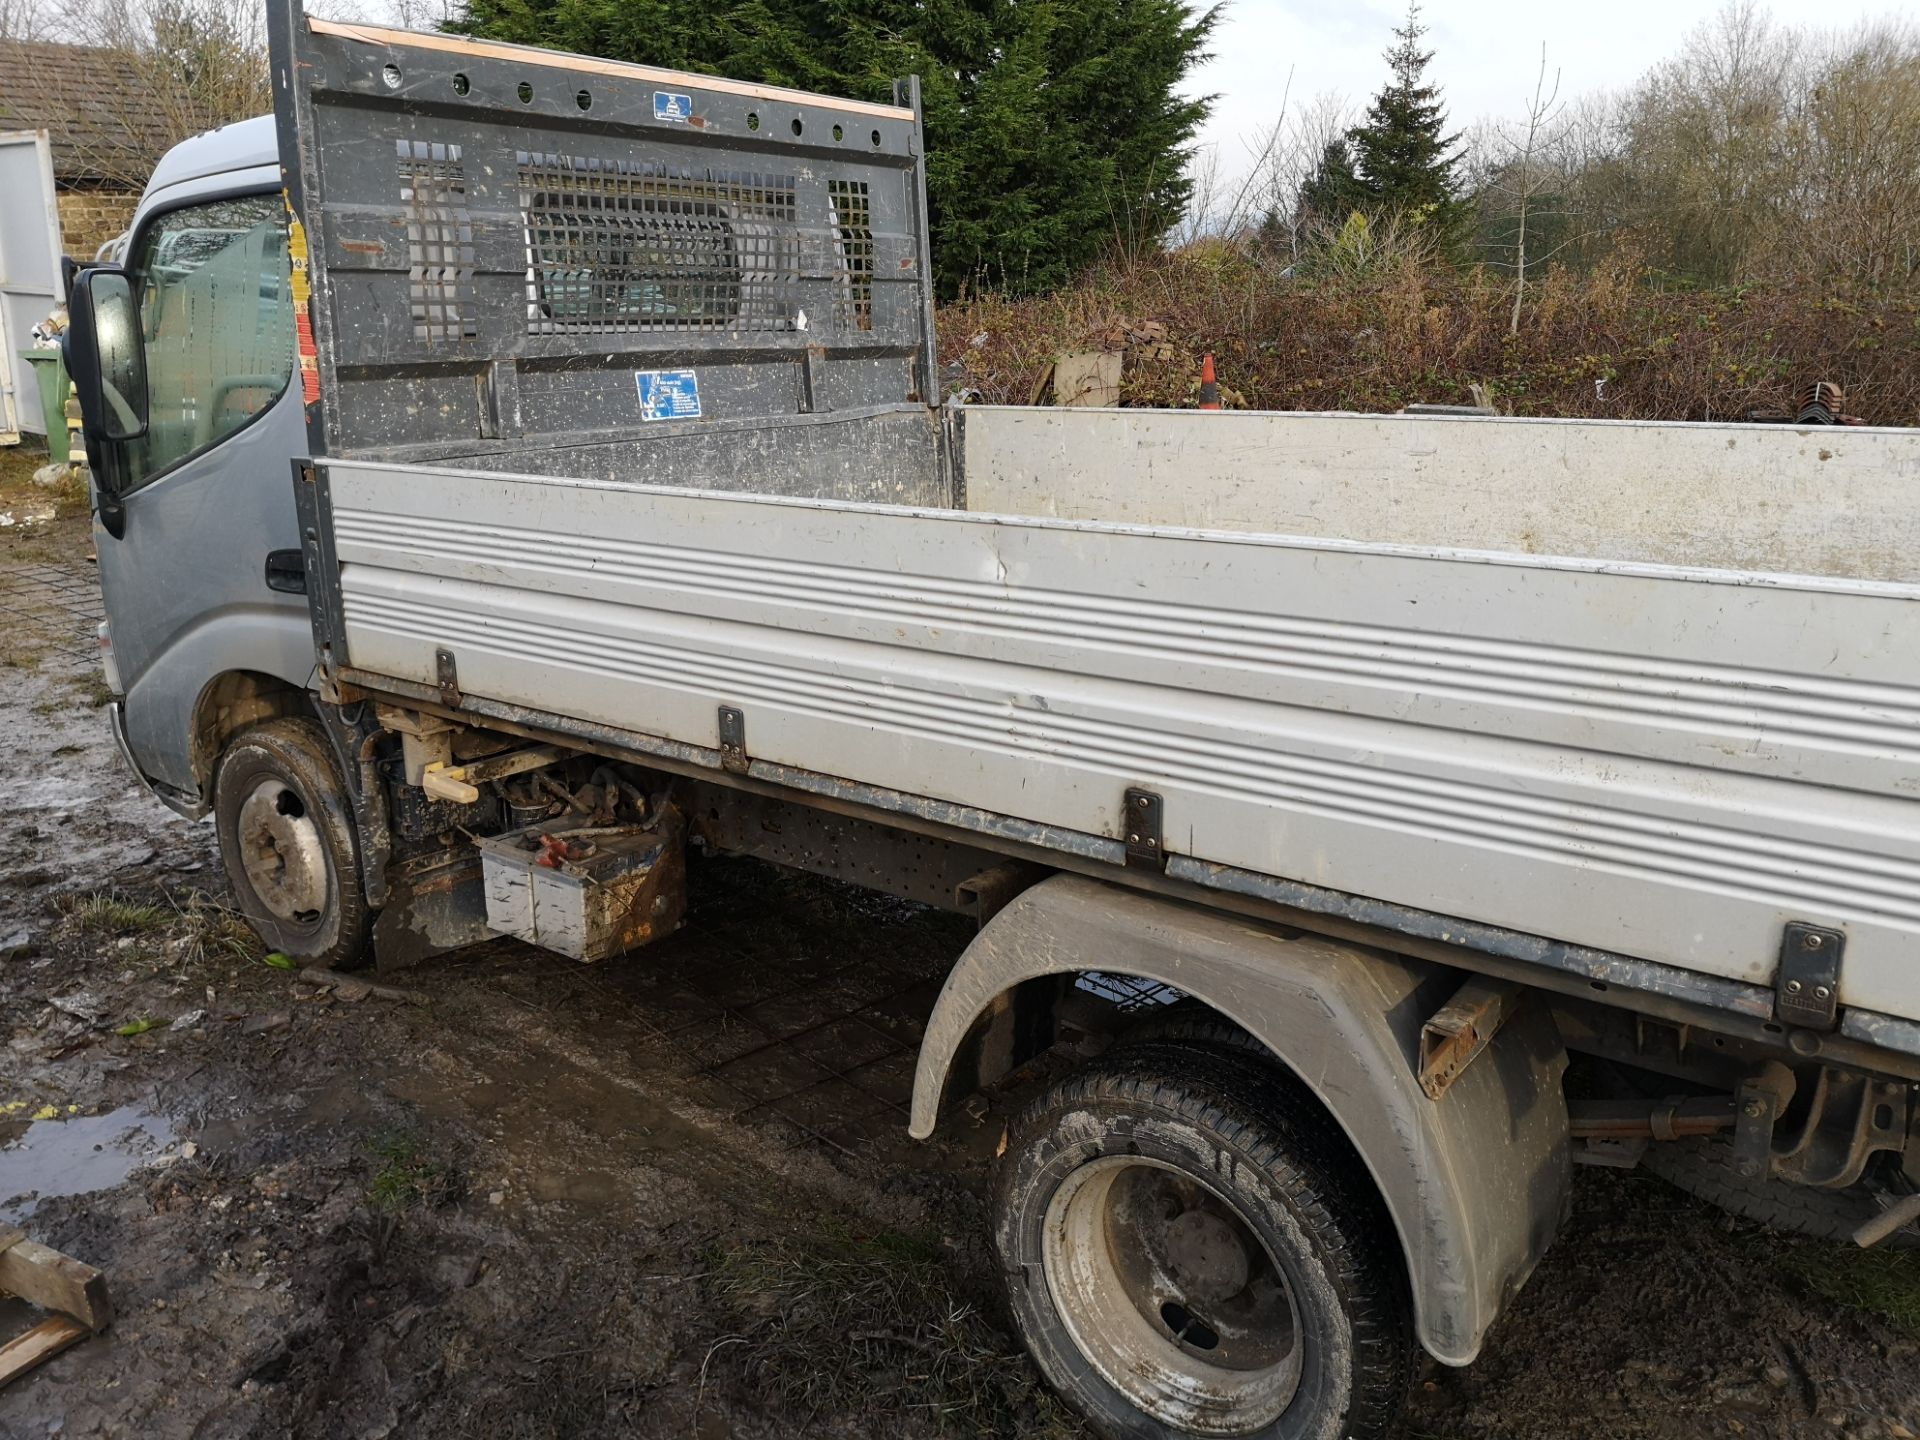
[669,1196]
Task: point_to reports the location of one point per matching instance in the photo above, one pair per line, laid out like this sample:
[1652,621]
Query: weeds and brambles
[57,535]
[838,1322]
[72,497]
[408,1177]
[1375,324]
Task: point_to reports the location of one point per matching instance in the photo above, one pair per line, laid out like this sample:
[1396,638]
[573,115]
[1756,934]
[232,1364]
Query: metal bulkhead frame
[532,262]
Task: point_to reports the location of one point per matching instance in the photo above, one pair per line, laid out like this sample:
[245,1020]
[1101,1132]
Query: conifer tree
[1333,191]
[1402,154]
[1053,126]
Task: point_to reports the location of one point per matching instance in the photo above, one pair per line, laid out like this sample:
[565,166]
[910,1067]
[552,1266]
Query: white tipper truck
[514,467]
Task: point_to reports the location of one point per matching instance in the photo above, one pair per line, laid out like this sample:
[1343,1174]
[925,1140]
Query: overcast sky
[1486,52]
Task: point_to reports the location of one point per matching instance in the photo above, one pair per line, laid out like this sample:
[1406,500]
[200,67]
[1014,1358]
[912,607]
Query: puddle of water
[45,1159]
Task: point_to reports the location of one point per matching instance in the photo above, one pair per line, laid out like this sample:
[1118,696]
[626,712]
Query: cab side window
[216,314]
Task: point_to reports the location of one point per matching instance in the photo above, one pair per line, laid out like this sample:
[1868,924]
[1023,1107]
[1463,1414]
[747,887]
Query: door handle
[287,572]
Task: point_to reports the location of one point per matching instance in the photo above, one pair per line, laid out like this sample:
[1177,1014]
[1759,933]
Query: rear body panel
[1781,499]
[1664,763]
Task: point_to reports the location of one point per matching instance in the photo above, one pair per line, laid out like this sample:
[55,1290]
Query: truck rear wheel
[286,840]
[1190,1248]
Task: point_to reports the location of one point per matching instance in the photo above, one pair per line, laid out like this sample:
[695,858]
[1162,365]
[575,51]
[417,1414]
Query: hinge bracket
[1807,984]
[733,741]
[447,675]
[1141,822]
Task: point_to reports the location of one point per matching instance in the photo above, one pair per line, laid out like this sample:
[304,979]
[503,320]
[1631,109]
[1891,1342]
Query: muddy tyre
[287,842]
[1190,1248]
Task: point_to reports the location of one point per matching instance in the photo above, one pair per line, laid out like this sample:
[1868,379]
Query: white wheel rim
[282,853]
[1172,1296]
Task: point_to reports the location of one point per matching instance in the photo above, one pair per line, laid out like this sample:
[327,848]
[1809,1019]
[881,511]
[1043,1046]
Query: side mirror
[105,355]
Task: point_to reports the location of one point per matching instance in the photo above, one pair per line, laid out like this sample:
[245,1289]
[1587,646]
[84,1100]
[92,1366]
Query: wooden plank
[589,65]
[41,1343]
[1089,378]
[54,1281]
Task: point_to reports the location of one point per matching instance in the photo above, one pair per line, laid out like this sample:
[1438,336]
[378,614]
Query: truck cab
[195,529]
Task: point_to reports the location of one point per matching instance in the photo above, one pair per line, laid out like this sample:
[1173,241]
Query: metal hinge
[733,740]
[447,675]
[1141,823]
[1807,984]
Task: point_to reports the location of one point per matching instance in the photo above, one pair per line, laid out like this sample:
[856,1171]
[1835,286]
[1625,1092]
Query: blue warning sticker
[670,105]
[668,394]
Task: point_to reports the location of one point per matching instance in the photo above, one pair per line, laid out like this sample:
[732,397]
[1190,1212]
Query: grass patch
[63,536]
[203,928]
[409,1177]
[1882,1283]
[18,653]
[94,690]
[109,914]
[836,1322]
[213,931]
[72,497]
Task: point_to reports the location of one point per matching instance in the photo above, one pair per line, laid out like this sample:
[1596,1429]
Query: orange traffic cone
[1209,387]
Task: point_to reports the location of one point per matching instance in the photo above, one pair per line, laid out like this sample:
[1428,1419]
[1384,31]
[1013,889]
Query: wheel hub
[282,853]
[1170,1293]
[1206,1257]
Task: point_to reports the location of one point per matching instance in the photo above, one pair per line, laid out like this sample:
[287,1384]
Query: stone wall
[90,218]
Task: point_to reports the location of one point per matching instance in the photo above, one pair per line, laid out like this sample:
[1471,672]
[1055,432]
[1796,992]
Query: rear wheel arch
[1476,1183]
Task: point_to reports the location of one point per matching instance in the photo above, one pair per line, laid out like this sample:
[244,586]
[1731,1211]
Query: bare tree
[1292,153]
[1521,164]
[1228,208]
[1203,197]
[23,20]
[178,67]
[1762,151]
[1851,157]
[415,14]
[1704,135]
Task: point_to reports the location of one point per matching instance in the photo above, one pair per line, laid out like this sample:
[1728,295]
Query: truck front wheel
[286,839]
[1190,1248]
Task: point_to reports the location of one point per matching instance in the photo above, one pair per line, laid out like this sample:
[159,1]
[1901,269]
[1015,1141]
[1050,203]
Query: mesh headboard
[523,260]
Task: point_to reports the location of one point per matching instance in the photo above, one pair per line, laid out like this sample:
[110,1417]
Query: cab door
[202,577]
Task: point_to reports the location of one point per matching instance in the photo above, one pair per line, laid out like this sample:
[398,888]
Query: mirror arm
[111,509]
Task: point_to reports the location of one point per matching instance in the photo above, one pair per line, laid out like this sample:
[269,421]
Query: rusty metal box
[588,892]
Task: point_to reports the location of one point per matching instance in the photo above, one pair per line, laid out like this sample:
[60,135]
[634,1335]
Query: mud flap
[435,903]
